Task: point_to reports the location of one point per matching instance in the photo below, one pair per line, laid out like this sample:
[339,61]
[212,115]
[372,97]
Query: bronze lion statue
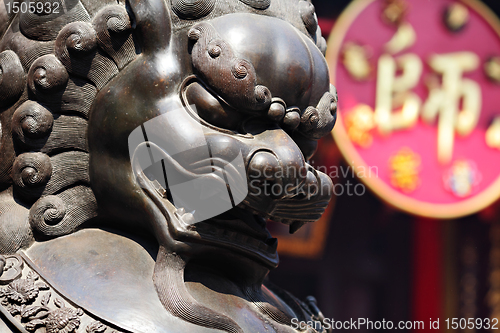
[144,146]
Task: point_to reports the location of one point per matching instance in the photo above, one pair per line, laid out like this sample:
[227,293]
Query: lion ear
[153,24]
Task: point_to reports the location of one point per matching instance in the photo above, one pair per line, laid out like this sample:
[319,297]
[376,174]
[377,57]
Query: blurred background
[365,259]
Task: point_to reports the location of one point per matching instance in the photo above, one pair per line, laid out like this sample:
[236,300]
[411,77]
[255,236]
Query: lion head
[106,107]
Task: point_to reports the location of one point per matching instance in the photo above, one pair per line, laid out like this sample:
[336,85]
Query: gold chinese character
[445,100]
[393,91]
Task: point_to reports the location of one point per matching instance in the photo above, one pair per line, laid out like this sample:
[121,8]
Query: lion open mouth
[217,208]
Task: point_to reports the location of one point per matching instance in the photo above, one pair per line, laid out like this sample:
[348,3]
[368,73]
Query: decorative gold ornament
[355,60]
[404,168]
[404,38]
[394,11]
[359,122]
[492,69]
[456,17]
[493,134]
[461,178]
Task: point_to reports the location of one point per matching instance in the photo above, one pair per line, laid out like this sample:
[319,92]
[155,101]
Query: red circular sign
[418,114]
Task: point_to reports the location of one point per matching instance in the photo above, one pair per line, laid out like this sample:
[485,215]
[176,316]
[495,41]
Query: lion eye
[211,109]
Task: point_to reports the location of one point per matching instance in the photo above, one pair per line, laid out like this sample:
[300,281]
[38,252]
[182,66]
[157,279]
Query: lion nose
[279,173]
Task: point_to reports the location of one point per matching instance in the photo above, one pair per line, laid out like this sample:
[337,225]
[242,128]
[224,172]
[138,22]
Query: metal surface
[106,110]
